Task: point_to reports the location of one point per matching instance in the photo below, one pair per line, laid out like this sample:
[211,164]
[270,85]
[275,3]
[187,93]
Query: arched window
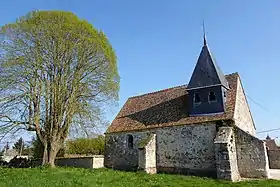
[130,141]
[212,96]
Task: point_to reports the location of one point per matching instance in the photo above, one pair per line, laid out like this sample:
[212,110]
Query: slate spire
[207,72]
[204,36]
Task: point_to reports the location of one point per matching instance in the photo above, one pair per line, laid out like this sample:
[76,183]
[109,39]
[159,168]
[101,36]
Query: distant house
[272,144]
[9,154]
[273,152]
[203,128]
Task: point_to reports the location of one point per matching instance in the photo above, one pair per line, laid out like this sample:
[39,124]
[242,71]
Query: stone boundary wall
[274,159]
[96,161]
[252,157]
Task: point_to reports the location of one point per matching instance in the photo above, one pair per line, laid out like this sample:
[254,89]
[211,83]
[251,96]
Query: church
[203,128]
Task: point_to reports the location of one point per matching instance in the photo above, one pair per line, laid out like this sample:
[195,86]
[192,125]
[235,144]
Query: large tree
[56,72]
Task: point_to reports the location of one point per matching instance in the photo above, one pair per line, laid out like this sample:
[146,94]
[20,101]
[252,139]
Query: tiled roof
[167,108]
[271,144]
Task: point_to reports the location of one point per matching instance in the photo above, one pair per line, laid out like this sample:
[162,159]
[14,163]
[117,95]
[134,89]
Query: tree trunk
[49,155]
[45,155]
[52,155]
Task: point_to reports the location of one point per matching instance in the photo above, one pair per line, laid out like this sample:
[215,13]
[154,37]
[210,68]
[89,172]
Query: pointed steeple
[204,35]
[207,72]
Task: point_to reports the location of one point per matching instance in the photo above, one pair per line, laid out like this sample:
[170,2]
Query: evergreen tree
[19,145]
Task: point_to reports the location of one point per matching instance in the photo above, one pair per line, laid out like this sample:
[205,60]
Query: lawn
[69,177]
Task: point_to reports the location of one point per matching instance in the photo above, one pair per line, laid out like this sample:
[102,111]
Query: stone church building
[203,128]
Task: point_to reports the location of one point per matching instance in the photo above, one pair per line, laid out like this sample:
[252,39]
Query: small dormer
[207,87]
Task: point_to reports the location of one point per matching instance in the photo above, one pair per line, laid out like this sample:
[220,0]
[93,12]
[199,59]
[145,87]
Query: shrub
[86,146]
[19,162]
[3,163]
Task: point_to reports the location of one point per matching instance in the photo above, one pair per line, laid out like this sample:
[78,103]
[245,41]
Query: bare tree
[56,72]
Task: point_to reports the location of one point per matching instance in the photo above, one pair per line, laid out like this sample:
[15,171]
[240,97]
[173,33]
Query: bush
[19,162]
[88,146]
[3,163]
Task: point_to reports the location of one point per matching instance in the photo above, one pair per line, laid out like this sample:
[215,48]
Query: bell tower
[208,86]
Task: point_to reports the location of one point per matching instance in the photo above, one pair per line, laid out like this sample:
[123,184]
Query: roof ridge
[174,87]
[158,91]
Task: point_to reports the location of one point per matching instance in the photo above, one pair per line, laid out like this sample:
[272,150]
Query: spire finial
[204,35]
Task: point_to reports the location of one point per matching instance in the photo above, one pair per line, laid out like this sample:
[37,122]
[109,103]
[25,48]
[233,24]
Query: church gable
[242,114]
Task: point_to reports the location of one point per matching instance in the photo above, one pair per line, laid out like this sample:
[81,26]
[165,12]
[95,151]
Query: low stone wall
[95,161]
[274,159]
[252,157]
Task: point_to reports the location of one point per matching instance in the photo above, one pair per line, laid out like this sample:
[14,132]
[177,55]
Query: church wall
[252,157]
[242,115]
[186,149]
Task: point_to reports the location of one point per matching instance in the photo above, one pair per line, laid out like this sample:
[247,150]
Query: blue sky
[158,42]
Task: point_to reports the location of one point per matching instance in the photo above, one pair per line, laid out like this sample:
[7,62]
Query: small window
[197,98]
[130,141]
[212,96]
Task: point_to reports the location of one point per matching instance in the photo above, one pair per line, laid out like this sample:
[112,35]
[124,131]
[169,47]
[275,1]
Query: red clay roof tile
[167,108]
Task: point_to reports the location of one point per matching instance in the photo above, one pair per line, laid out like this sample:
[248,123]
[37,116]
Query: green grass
[69,177]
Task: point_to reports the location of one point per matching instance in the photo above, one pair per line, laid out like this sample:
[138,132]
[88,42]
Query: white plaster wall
[242,115]
[151,153]
[98,162]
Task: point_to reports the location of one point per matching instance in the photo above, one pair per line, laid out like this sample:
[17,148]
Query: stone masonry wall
[274,159]
[141,159]
[242,115]
[226,158]
[117,153]
[252,157]
[185,149]
[95,161]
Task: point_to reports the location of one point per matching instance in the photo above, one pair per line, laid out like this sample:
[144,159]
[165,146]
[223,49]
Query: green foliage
[86,146]
[19,145]
[145,141]
[57,72]
[70,177]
